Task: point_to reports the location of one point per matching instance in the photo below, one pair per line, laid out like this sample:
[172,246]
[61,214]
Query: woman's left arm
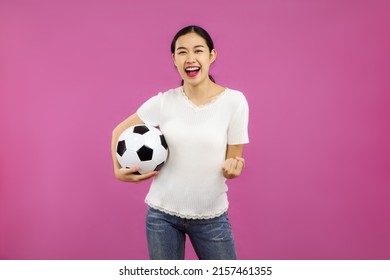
[234,163]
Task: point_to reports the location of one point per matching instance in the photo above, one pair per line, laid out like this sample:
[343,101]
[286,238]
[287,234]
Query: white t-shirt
[191,184]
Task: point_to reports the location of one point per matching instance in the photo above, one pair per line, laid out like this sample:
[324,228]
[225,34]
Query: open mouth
[192,71]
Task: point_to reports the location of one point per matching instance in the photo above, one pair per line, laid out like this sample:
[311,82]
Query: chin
[194,82]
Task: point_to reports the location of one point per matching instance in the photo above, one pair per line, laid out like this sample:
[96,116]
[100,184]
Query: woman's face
[193,58]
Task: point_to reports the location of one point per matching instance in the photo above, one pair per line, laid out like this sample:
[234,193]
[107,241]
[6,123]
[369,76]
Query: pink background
[317,78]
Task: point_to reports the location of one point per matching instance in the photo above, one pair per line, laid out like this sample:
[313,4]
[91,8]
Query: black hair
[198,30]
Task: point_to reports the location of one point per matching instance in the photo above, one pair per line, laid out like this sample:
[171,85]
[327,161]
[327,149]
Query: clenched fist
[232,167]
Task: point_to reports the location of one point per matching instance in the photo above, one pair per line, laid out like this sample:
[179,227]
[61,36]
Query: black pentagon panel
[163,142]
[140,129]
[158,167]
[145,153]
[121,148]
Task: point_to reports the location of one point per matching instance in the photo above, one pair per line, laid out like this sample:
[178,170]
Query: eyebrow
[197,46]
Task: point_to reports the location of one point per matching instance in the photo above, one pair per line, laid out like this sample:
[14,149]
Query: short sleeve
[150,111]
[238,126]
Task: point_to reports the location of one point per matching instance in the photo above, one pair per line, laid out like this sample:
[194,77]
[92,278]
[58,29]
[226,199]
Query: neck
[199,90]
[202,93]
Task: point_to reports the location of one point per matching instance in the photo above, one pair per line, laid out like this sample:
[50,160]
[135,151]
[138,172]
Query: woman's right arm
[127,174]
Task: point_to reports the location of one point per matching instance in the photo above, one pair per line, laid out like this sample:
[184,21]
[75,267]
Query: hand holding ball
[143,146]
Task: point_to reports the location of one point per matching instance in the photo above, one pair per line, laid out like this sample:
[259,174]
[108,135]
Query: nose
[190,58]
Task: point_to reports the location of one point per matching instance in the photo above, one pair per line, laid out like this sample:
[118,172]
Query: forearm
[130,121]
[233,151]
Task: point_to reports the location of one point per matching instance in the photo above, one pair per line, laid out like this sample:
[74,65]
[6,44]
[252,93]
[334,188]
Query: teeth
[192,69]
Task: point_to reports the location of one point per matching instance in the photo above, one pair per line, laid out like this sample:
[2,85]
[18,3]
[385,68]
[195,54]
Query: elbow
[115,131]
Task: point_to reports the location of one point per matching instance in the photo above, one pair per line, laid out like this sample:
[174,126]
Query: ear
[213,55]
[174,59]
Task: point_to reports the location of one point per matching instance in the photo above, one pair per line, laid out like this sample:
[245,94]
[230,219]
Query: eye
[198,51]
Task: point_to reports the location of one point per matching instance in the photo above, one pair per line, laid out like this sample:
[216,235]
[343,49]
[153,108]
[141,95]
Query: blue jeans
[212,239]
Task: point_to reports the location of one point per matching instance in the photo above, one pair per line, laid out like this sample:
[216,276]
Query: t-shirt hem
[188,216]
[243,142]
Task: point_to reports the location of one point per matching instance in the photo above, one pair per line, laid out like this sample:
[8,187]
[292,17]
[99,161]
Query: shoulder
[171,92]
[235,102]
[235,93]
[170,95]
[164,95]
[235,96]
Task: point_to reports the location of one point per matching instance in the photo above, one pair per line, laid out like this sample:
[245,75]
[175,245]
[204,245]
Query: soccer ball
[143,146]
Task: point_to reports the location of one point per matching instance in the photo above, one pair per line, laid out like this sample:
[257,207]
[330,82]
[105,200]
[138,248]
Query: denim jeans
[212,239]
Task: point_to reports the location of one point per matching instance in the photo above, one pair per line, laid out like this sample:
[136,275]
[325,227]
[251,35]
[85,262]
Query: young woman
[205,126]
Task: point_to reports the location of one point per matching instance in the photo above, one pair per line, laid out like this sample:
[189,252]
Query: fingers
[130,170]
[233,167]
[241,160]
[142,177]
[132,175]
